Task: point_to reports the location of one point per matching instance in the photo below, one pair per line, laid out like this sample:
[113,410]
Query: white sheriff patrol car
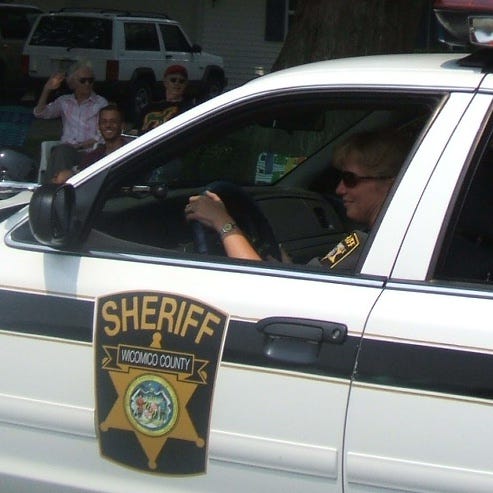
[135,357]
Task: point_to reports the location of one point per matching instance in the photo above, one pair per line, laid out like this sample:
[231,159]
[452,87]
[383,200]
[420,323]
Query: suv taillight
[25,64]
[112,69]
[464,5]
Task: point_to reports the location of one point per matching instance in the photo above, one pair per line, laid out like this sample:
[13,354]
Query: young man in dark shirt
[110,122]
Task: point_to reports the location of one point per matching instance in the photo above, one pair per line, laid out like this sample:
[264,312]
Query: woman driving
[368,163]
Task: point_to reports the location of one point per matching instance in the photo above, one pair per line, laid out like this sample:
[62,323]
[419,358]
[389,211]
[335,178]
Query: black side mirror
[51,215]
[196,48]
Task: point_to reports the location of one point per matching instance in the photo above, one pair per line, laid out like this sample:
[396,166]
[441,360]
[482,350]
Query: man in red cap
[175,83]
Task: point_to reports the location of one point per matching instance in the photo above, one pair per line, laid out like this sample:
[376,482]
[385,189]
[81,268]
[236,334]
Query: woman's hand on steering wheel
[208,209]
[225,202]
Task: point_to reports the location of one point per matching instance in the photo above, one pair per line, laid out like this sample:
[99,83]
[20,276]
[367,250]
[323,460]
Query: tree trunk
[324,29]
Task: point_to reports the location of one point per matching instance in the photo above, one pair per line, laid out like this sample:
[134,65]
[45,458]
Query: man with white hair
[79,113]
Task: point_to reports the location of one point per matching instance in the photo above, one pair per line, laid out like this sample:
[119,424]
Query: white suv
[129,51]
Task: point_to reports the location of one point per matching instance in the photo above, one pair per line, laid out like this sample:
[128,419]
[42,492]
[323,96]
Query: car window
[141,36]
[15,23]
[267,148]
[173,37]
[278,152]
[71,32]
[466,254]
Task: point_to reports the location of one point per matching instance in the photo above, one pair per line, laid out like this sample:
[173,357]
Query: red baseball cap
[176,69]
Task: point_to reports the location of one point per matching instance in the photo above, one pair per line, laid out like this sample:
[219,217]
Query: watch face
[227,228]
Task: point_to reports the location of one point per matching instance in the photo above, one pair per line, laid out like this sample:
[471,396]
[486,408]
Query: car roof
[20,6]
[112,13]
[441,71]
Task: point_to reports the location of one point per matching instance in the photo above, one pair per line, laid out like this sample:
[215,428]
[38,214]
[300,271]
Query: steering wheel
[247,215]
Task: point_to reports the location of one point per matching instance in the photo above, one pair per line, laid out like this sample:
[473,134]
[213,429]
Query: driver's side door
[279,399]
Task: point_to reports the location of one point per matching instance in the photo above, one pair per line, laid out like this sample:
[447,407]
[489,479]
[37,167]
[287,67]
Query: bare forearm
[236,245]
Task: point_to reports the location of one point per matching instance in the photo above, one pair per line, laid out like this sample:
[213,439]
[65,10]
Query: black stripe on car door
[435,369]
[386,363]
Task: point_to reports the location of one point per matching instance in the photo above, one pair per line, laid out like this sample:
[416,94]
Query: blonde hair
[379,153]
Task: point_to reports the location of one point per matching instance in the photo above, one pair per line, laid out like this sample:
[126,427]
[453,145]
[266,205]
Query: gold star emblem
[179,426]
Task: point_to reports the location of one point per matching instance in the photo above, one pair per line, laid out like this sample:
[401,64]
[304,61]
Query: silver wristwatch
[227,228]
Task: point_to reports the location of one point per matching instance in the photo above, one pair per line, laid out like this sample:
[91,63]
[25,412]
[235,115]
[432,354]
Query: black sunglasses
[177,79]
[86,80]
[351,179]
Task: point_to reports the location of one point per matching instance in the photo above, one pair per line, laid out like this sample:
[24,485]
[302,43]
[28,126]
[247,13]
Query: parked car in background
[15,23]
[129,51]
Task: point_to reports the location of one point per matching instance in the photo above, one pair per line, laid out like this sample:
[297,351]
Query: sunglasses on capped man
[177,80]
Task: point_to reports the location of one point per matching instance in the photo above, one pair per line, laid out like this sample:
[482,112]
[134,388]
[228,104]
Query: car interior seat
[46,147]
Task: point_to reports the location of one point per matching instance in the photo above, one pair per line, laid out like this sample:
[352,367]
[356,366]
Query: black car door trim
[385,363]
[72,319]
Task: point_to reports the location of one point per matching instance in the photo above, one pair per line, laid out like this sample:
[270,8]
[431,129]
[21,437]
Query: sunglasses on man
[351,179]
[177,80]
[86,80]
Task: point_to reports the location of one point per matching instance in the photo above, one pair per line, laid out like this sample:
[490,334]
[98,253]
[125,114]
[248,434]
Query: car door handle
[298,340]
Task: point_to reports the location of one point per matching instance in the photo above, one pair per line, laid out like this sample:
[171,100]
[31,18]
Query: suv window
[15,23]
[174,39]
[80,32]
[140,36]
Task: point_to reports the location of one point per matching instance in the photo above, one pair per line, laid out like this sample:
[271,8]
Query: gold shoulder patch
[342,250]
